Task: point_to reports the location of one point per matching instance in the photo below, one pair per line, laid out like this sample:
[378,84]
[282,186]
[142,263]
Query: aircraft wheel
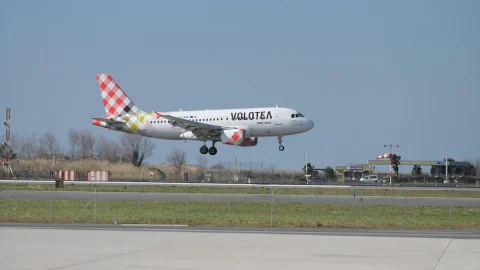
[212,151]
[281,148]
[203,150]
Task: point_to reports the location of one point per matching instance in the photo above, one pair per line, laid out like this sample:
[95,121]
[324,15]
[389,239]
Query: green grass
[249,190]
[245,214]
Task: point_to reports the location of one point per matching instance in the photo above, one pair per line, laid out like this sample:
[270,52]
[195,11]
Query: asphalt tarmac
[79,247]
[454,234]
[321,199]
[234,185]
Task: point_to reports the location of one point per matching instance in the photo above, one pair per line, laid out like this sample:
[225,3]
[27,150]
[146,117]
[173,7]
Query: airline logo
[252,115]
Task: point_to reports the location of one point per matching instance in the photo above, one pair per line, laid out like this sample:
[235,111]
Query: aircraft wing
[201,130]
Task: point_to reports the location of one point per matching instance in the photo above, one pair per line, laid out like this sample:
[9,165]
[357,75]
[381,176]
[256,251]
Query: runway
[456,234]
[351,186]
[45,246]
[323,199]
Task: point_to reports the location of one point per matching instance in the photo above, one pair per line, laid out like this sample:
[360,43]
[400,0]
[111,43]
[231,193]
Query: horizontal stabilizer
[108,123]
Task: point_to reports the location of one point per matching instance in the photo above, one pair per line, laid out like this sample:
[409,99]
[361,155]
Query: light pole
[391,145]
[306,164]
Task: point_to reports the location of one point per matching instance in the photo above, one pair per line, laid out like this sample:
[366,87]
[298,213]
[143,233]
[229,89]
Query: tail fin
[115,101]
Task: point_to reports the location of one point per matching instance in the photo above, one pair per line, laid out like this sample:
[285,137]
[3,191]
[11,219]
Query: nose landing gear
[281,147]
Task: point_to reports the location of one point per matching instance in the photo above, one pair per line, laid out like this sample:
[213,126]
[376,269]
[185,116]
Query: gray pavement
[324,199]
[98,247]
[455,234]
[399,186]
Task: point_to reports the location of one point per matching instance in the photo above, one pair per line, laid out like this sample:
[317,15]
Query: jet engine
[233,136]
[249,141]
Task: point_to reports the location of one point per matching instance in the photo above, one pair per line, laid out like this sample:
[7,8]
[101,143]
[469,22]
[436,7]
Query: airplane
[237,127]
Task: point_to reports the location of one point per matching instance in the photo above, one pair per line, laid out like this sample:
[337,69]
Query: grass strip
[250,190]
[243,214]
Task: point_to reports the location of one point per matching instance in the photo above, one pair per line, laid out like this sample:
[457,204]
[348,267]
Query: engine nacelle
[249,141]
[233,136]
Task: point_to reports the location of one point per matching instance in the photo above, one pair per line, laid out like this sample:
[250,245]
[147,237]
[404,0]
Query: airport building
[354,171]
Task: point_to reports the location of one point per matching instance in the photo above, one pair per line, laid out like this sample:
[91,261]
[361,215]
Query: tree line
[82,144]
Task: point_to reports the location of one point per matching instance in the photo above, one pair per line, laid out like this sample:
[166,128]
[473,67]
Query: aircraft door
[278,117]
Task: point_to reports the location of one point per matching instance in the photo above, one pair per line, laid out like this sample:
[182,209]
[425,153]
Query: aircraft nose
[309,124]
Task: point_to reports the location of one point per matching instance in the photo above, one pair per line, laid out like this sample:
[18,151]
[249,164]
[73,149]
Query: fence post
[51,220]
[138,208]
[361,210]
[271,208]
[262,174]
[316,207]
[186,209]
[450,224]
[6,209]
[228,213]
[95,205]
[405,219]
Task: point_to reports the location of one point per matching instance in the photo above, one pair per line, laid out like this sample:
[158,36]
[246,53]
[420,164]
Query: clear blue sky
[367,72]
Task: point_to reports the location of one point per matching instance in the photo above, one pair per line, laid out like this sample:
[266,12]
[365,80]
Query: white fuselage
[258,122]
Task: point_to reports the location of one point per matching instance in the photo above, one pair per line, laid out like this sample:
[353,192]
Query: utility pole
[446,169]
[7,135]
[306,164]
[306,159]
[7,143]
[391,145]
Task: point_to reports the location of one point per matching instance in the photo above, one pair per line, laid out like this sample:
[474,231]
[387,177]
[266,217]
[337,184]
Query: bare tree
[137,148]
[107,149]
[87,143]
[28,146]
[177,158]
[74,141]
[49,144]
[202,163]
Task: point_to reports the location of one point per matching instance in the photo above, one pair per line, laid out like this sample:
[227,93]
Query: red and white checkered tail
[115,101]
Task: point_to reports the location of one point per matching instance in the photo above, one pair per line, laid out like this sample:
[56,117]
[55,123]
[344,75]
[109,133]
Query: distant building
[353,171]
[455,168]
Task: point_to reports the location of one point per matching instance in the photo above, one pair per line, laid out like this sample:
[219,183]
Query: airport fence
[245,175]
[229,208]
[222,172]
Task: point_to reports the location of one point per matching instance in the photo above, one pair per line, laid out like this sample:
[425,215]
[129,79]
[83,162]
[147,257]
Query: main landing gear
[212,150]
[281,147]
